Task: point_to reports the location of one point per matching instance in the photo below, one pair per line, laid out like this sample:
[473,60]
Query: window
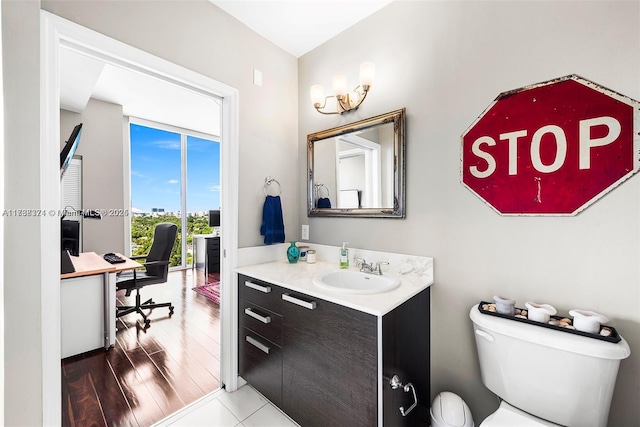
[175,177]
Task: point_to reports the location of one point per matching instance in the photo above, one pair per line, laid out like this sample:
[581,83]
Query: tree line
[142,228]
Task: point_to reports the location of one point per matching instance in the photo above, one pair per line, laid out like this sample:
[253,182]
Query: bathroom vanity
[326,358]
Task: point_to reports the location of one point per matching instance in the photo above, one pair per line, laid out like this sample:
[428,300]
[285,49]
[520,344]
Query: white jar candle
[311,256]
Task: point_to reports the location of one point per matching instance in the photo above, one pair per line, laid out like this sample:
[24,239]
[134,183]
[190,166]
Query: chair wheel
[170,311]
[147,323]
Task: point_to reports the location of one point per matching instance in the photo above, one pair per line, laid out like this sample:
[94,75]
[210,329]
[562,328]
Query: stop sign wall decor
[552,148]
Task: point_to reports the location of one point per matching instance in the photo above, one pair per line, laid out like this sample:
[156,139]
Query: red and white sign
[552,148]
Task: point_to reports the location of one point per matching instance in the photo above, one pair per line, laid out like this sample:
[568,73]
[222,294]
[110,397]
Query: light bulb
[339,84]
[367,73]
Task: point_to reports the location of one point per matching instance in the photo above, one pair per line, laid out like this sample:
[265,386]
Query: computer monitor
[70,148]
[70,233]
[214,218]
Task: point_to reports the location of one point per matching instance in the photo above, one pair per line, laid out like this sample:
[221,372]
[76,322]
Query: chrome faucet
[379,265]
[364,267]
[370,268]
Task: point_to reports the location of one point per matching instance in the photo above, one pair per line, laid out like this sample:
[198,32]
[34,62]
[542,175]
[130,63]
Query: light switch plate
[305,232]
[257,77]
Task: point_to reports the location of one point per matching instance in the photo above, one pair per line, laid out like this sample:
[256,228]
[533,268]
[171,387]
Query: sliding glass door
[175,177]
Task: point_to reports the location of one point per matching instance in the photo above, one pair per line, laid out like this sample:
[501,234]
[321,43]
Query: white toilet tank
[557,376]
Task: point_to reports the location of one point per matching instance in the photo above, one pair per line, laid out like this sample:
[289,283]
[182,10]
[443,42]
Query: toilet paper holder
[395,384]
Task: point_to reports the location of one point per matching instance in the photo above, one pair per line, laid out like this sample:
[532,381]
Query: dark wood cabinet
[319,361]
[207,253]
[213,255]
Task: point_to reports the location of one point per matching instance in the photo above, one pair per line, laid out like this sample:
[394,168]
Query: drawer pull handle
[265,289]
[254,342]
[251,313]
[306,304]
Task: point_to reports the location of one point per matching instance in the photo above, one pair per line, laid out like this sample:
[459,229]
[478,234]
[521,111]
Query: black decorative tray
[614,337]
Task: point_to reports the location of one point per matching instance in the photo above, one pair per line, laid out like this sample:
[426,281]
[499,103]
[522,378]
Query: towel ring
[318,186]
[267,182]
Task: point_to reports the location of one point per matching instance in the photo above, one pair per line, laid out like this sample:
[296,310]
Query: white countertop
[414,277]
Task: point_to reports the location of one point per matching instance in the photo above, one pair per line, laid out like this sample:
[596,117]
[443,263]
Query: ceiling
[141,96]
[297,26]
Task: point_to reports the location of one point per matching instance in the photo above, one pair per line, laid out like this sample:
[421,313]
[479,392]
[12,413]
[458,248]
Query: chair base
[148,304]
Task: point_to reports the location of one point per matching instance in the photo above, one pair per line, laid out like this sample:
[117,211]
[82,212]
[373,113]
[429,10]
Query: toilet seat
[510,416]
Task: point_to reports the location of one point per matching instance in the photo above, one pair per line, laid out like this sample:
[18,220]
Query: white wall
[23,362]
[203,38]
[445,62]
[101,148]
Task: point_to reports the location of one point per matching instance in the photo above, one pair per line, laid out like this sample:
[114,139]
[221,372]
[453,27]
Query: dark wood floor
[149,374]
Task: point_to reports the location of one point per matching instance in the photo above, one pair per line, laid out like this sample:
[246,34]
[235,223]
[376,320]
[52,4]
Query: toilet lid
[509,416]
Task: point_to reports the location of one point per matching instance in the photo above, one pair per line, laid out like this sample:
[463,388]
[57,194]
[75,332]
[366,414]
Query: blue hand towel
[324,203]
[272,227]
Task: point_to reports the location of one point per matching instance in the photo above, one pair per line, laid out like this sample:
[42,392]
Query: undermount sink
[355,282]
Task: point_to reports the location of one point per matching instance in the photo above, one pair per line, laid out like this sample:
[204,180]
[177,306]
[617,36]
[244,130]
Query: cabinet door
[405,353]
[329,365]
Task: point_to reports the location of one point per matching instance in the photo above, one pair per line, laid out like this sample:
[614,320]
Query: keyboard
[113,258]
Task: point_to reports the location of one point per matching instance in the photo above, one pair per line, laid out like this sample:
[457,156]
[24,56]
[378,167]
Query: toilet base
[510,416]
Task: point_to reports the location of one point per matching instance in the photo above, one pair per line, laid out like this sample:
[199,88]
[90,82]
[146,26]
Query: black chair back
[164,237]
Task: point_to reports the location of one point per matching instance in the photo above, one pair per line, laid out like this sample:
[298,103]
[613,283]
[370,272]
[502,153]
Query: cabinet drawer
[260,293]
[213,243]
[260,364]
[262,321]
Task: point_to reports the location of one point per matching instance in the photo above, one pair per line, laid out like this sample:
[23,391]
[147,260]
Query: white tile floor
[244,407]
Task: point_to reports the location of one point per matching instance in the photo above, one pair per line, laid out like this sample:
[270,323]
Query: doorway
[57,34]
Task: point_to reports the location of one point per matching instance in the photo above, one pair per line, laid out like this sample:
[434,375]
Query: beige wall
[445,62]
[101,148]
[199,36]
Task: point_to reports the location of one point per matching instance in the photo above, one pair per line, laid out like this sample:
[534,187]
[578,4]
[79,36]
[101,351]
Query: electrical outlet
[305,232]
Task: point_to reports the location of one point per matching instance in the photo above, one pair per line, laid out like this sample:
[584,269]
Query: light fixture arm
[344,101]
[319,107]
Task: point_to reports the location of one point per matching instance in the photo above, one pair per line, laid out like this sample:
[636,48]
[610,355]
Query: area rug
[210,290]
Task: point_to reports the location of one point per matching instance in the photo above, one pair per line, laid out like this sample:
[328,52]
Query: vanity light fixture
[345,100]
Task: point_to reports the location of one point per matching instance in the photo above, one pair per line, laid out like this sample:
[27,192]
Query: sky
[155,171]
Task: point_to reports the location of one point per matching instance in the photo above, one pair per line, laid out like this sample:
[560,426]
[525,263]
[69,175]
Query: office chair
[156,271]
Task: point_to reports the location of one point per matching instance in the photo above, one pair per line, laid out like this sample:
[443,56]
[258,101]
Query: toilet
[545,377]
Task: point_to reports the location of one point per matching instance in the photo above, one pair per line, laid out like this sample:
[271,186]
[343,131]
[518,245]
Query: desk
[87,303]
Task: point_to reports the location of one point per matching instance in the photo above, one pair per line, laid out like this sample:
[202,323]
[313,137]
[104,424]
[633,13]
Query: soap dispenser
[344,255]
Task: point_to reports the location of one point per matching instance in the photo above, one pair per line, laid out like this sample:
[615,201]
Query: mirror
[358,169]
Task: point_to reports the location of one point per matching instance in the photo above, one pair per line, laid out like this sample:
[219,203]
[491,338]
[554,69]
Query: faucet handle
[360,262]
[379,265]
